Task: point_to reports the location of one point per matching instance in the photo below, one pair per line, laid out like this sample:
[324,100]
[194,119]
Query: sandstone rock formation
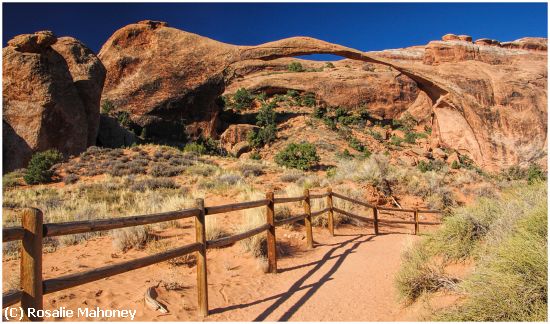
[488,102]
[50,95]
[234,134]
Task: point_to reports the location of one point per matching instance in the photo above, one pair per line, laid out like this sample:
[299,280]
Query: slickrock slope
[488,98]
[51,92]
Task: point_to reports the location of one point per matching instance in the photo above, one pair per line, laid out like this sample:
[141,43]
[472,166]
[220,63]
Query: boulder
[465,38]
[112,134]
[234,134]
[450,37]
[487,42]
[452,158]
[33,43]
[439,154]
[43,106]
[240,148]
[88,77]
[528,43]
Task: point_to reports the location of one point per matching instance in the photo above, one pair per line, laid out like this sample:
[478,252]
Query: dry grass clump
[291,175]
[70,179]
[154,183]
[214,230]
[507,237]
[248,169]
[13,179]
[202,169]
[130,237]
[223,182]
[257,244]
[165,170]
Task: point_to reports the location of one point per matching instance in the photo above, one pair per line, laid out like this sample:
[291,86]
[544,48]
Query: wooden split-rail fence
[33,231]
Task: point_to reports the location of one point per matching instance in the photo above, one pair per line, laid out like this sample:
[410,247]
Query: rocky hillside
[484,99]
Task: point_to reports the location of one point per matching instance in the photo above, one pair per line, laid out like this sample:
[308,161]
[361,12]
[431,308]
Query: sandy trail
[348,277]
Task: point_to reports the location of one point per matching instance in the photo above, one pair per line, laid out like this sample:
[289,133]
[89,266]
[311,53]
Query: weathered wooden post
[330,212]
[271,240]
[375,215]
[200,235]
[307,221]
[416,224]
[31,263]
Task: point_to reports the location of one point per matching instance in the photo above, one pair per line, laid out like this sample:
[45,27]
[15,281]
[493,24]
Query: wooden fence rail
[33,231]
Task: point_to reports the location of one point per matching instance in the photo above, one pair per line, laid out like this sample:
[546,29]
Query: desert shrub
[154,183]
[531,173]
[123,118]
[295,67]
[330,123]
[410,138]
[291,175]
[255,155]
[308,99]
[266,120]
[344,155]
[119,169]
[396,140]
[455,165]
[130,237]
[319,112]
[39,168]
[302,156]
[356,144]
[106,107]
[201,169]
[431,165]
[251,169]
[376,135]
[406,122]
[70,179]
[195,147]
[242,99]
[229,179]
[329,65]
[165,170]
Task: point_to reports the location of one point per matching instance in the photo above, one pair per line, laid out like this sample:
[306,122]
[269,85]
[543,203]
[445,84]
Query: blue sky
[365,26]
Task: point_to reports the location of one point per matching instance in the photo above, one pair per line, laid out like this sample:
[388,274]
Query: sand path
[348,277]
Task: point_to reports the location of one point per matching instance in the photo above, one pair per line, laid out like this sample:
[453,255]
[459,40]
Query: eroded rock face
[488,102]
[47,97]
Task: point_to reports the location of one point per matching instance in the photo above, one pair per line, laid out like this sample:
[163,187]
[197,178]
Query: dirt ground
[348,277]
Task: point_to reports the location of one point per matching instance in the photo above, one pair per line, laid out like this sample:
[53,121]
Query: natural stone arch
[297,46]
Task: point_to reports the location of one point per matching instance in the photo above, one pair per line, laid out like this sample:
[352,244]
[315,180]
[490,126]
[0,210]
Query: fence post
[31,263]
[375,215]
[200,234]
[330,212]
[271,240]
[307,221]
[416,225]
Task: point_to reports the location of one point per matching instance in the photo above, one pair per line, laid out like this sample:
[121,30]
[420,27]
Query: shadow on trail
[280,299]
